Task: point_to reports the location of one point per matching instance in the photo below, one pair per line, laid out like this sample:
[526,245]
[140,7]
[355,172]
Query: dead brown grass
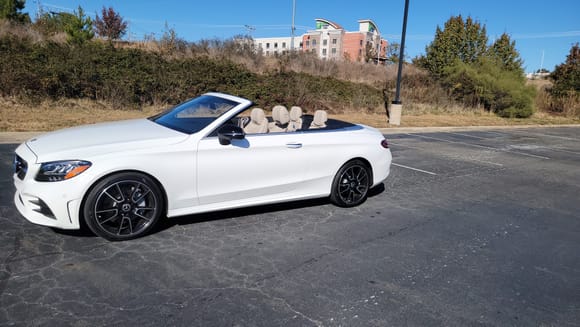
[48,116]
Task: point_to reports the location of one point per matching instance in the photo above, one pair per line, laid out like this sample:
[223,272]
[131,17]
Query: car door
[256,169]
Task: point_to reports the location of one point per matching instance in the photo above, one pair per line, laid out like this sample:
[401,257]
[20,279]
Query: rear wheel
[123,206]
[351,184]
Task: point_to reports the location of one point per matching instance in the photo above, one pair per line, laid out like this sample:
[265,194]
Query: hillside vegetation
[49,61]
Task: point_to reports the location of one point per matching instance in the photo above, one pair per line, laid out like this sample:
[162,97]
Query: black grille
[20,167]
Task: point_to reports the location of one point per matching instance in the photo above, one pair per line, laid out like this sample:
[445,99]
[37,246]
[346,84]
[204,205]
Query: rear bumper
[382,167]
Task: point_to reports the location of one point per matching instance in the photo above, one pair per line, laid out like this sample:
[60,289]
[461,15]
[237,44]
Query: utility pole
[397,105]
[293,28]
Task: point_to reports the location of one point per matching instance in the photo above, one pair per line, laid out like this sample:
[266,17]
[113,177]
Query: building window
[307,44]
[276,45]
[333,51]
[324,42]
[267,53]
[267,45]
[361,42]
[283,45]
[333,41]
[313,43]
[324,52]
[301,44]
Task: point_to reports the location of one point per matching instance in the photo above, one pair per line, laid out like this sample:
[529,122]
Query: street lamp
[397,105]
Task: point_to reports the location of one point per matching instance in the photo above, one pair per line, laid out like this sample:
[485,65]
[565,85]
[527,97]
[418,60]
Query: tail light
[385,144]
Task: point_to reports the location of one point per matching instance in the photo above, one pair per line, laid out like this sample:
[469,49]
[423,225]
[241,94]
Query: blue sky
[548,27]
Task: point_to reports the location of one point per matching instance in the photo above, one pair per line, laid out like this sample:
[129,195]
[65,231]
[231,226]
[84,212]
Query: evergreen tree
[503,50]
[11,10]
[110,25]
[566,76]
[463,40]
[79,28]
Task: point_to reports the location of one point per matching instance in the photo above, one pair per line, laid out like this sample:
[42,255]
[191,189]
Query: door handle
[294,145]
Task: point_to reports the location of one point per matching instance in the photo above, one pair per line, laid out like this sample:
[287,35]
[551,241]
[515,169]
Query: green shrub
[131,78]
[485,84]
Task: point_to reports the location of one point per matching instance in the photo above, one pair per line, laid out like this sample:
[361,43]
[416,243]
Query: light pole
[293,28]
[397,105]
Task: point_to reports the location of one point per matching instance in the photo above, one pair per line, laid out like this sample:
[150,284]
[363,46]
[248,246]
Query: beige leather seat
[258,122]
[281,119]
[295,119]
[319,121]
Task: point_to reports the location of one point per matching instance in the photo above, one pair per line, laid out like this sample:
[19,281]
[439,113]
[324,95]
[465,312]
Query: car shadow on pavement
[224,214]
[249,211]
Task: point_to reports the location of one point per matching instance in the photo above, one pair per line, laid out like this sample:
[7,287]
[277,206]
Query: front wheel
[123,206]
[351,184]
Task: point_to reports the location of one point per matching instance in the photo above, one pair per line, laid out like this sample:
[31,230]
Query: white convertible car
[210,153]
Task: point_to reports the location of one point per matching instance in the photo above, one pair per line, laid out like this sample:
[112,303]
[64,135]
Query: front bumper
[53,204]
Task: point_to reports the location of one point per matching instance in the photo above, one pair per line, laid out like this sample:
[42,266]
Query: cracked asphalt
[477,228]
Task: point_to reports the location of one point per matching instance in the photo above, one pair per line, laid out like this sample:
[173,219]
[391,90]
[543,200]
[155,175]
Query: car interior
[255,121]
[283,121]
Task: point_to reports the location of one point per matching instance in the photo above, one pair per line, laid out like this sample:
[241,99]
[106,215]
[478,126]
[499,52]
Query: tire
[351,184]
[123,206]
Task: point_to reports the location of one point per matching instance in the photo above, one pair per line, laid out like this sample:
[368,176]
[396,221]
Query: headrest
[257,115]
[295,113]
[280,114]
[320,118]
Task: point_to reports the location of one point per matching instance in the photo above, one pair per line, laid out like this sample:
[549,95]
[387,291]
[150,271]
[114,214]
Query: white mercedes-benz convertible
[210,153]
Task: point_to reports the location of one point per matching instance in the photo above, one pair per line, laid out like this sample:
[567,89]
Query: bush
[485,84]
[130,78]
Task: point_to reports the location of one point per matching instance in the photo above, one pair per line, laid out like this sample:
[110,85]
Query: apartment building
[331,41]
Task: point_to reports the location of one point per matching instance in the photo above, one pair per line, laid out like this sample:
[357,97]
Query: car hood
[88,141]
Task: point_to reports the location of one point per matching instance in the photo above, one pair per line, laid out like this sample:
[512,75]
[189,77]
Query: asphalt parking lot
[472,228]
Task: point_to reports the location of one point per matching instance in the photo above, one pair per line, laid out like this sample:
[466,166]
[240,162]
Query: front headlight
[61,170]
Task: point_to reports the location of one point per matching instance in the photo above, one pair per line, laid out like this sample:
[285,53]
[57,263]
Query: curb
[411,130]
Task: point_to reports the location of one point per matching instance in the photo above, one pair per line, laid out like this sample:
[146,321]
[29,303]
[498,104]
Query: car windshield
[194,115]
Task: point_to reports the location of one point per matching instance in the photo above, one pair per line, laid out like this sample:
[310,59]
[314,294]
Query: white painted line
[403,145]
[562,150]
[487,162]
[415,169]
[482,146]
[548,135]
[451,157]
[496,133]
[475,137]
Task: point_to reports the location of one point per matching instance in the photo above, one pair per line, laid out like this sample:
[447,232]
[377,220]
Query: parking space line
[482,146]
[466,159]
[404,145]
[466,135]
[567,151]
[548,135]
[415,169]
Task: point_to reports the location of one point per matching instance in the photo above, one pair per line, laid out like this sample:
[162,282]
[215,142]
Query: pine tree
[79,28]
[11,10]
[463,40]
[503,50]
[566,76]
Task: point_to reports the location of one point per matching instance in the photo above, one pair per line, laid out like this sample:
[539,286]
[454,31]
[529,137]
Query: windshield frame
[196,120]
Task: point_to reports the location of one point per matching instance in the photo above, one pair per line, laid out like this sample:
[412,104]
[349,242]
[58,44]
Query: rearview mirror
[228,133]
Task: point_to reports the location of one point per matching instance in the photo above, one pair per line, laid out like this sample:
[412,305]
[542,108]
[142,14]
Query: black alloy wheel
[123,206]
[351,184]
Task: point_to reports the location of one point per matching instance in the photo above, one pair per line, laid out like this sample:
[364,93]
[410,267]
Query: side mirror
[228,133]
